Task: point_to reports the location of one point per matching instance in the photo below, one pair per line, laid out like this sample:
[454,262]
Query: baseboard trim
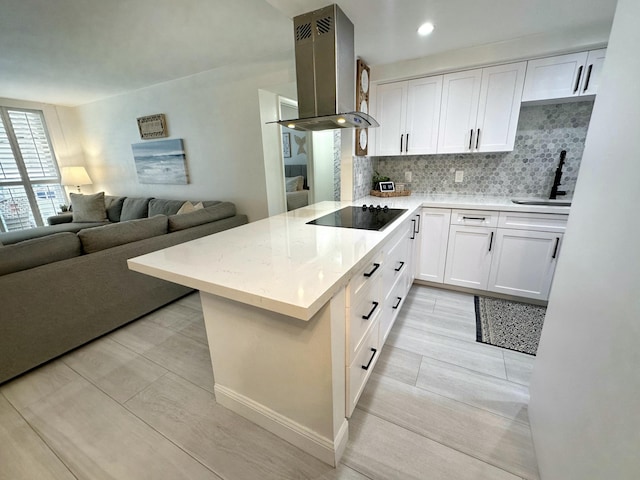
[307,440]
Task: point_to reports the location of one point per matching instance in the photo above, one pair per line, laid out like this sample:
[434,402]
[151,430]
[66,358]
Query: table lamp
[75,176]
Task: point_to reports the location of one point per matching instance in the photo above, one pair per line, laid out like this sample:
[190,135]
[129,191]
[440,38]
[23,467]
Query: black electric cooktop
[364,217]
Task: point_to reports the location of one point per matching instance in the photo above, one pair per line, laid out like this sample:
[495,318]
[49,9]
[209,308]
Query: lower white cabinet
[434,234]
[524,262]
[469,256]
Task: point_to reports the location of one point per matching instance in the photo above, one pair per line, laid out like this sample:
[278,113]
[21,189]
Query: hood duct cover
[325,72]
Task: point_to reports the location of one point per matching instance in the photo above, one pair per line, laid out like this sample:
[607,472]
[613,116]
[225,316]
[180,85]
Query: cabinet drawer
[371,271]
[392,305]
[541,222]
[363,315]
[360,369]
[475,218]
[396,259]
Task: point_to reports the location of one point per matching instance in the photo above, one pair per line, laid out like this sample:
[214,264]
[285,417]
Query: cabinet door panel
[423,115]
[499,108]
[524,263]
[459,110]
[469,256]
[595,60]
[391,102]
[434,231]
[554,77]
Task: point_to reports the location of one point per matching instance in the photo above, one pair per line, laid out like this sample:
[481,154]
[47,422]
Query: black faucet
[556,181]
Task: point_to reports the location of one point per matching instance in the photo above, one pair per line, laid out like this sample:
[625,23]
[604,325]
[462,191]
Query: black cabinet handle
[588,77]
[401,139]
[491,241]
[470,139]
[477,139]
[418,224]
[413,233]
[578,79]
[375,267]
[475,218]
[400,267]
[366,367]
[395,307]
[555,249]
[367,317]
[406,145]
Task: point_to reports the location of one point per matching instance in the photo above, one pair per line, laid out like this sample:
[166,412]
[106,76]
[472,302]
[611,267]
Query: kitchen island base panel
[282,373]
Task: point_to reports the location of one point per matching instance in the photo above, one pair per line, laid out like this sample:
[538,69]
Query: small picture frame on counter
[387,187]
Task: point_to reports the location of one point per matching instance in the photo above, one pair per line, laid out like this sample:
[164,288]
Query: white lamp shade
[75,176]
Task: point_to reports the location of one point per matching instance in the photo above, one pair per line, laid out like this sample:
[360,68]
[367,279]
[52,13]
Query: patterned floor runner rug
[513,325]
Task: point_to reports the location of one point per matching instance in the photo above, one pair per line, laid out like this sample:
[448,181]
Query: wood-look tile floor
[138,404]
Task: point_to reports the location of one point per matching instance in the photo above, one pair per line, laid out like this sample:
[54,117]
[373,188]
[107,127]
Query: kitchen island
[289,347]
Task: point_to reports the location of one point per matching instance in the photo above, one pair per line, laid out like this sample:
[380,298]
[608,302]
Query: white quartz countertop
[284,265]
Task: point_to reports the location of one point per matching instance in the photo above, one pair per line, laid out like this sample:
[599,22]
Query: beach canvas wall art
[160,162]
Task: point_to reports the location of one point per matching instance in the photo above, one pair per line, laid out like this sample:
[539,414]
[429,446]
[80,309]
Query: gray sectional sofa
[66,284]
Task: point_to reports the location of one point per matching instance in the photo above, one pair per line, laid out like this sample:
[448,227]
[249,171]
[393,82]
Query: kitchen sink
[549,203]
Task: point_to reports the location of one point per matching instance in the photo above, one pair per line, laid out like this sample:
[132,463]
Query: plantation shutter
[30,189]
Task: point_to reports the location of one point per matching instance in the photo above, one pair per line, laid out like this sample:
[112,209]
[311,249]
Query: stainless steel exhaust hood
[325,72]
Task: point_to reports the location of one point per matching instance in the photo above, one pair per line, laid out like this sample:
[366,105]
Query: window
[30,189]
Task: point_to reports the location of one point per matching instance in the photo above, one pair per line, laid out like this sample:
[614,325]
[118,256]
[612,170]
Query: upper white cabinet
[480,109]
[408,113]
[563,76]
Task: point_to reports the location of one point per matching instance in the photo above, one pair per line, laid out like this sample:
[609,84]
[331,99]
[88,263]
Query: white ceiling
[71,52]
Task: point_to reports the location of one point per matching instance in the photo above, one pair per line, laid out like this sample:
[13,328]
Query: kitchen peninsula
[296,314]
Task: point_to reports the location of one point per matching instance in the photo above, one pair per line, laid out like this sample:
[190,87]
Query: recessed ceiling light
[425,29]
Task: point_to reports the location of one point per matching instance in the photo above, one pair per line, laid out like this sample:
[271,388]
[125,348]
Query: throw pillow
[293,184]
[88,208]
[114,207]
[188,207]
[160,206]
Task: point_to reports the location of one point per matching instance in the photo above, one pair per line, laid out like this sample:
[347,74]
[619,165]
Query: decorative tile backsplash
[527,171]
[362,176]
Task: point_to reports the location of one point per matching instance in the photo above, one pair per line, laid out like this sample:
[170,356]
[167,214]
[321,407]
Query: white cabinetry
[525,254]
[434,234]
[563,76]
[480,109]
[470,247]
[408,113]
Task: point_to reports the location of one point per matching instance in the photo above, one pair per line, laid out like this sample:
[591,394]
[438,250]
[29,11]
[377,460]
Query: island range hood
[325,72]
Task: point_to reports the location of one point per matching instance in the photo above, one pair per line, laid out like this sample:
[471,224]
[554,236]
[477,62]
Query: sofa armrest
[62,218]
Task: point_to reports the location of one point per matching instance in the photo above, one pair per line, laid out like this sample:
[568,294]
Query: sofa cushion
[159,206]
[113,206]
[294,184]
[134,208]
[38,251]
[88,208]
[205,215]
[107,236]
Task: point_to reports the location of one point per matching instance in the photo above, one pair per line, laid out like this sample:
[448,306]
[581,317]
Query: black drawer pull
[555,249]
[367,317]
[482,219]
[578,79]
[491,241]
[477,139]
[400,267]
[470,139]
[587,79]
[366,367]
[401,139]
[395,307]
[418,224]
[375,267]
[413,233]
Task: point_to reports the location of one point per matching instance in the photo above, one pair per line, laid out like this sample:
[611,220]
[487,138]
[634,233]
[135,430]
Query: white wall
[585,390]
[217,113]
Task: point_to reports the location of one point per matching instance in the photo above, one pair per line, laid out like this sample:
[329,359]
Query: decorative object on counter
[399,187]
[512,325]
[362,105]
[152,126]
[64,207]
[387,187]
[160,162]
[377,178]
[286,145]
[378,193]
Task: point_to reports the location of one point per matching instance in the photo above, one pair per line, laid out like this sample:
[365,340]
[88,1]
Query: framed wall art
[152,126]
[162,162]
[286,145]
